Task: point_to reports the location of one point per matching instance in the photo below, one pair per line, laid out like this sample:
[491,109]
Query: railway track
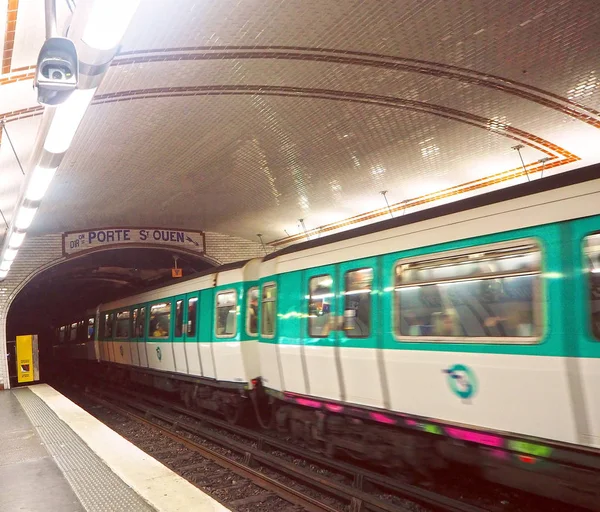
[259,457]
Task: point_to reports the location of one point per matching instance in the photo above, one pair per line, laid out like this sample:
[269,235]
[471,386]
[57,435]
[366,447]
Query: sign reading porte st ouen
[76,242]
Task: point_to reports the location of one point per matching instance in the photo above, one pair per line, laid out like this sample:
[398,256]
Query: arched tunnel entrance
[70,288]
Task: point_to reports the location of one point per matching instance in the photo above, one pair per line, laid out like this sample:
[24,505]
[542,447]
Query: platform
[54,456]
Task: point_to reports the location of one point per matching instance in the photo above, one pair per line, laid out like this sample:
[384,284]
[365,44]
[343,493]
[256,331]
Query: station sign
[76,242]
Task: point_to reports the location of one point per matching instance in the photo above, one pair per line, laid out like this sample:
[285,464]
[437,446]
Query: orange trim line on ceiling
[513,87]
[418,201]
[542,97]
[522,136]
[560,155]
[9,35]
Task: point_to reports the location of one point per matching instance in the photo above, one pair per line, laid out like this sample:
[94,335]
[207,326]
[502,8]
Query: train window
[141,330]
[191,318]
[492,293]
[320,306]
[357,303]
[226,314]
[179,318]
[160,320]
[91,327]
[73,332]
[108,325]
[269,310]
[122,330]
[592,256]
[134,322]
[61,334]
[252,311]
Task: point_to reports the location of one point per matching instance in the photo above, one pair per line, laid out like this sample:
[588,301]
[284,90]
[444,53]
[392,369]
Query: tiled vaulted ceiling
[243,116]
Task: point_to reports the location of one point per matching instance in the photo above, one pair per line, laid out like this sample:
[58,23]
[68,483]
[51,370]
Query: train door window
[160,320]
[142,323]
[61,334]
[134,322]
[191,318]
[108,325]
[476,295]
[320,306]
[357,303]
[91,327]
[252,311]
[73,332]
[122,330]
[179,318]
[225,325]
[592,261]
[269,310]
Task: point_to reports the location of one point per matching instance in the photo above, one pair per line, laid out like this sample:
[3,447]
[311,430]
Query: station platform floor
[54,456]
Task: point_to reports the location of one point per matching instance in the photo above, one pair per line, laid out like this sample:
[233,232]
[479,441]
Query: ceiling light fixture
[10,254]
[39,183]
[25,217]
[66,121]
[16,240]
[107,22]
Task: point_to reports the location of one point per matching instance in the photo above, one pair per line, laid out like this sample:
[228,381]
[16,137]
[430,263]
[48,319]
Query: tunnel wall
[35,255]
[39,253]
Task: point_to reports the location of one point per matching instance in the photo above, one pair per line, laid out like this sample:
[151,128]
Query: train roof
[565,179]
[198,276]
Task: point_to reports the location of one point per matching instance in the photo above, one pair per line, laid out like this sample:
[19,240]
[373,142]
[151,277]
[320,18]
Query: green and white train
[468,332]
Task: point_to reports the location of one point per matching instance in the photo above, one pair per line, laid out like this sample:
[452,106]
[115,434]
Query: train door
[122,333]
[584,239]
[192,348]
[360,358]
[159,346]
[109,336]
[282,355]
[179,324]
[142,334]
[321,344]
[102,345]
[134,335]
[206,330]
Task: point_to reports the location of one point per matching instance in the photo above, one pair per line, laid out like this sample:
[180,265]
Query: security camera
[57,71]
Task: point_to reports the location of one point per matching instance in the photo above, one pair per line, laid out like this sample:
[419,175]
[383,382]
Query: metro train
[464,333]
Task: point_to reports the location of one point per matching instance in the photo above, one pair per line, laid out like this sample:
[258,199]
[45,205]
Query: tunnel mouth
[64,292]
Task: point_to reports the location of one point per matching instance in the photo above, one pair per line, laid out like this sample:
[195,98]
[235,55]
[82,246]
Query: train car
[76,340]
[468,332]
[196,337]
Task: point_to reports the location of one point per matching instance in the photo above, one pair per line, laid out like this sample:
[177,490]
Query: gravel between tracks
[229,488]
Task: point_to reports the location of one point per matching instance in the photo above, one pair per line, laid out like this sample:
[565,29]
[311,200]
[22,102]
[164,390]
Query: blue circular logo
[158,353]
[462,381]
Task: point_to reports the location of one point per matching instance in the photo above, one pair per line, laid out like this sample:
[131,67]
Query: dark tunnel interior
[69,289]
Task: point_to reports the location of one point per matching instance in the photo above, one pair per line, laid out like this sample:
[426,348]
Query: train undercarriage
[570,476]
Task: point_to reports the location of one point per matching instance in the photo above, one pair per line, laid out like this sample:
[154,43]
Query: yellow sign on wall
[25,358]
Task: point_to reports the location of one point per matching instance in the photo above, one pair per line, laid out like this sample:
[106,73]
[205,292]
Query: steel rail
[342,491]
[261,480]
[407,491]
